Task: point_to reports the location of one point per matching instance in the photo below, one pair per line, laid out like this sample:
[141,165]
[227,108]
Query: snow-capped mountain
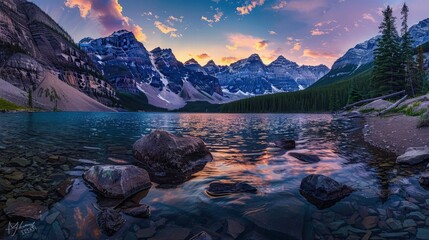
[252,76]
[359,57]
[165,81]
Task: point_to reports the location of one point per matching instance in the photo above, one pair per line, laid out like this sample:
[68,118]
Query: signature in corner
[13,228]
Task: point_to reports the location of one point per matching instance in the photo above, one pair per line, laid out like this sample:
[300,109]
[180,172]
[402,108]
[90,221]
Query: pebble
[235,228]
[422,233]
[394,224]
[416,216]
[409,223]
[370,222]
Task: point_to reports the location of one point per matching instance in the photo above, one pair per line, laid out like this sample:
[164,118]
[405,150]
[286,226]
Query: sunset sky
[305,31]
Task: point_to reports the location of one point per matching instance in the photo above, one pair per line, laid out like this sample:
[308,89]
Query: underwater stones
[117,181]
[414,155]
[201,236]
[179,233]
[305,157]
[146,232]
[234,228]
[21,210]
[323,191]
[394,224]
[171,159]
[370,222]
[35,195]
[142,211]
[422,233]
[65,186]
[286,144]
[15,176]
[221,188]
[110,221]
[19,162]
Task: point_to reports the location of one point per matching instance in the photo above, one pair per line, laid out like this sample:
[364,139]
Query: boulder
[22,210]
[414,155]
[377,105]
[171,159]
[286,144]
[424,179]
[142,211]
[221,188]
[323,191]
[305,157]
[117,181]
[110,221]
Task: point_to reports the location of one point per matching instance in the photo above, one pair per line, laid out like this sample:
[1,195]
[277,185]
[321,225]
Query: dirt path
[395,133]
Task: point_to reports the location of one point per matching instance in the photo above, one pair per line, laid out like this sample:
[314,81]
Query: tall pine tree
[409,65]
[388,70]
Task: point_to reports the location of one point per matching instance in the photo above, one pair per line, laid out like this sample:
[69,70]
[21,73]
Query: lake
[53,148]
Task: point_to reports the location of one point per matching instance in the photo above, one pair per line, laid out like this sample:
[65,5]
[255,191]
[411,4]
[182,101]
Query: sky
[309,32]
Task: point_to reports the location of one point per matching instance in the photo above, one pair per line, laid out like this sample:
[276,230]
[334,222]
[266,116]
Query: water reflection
[63,145]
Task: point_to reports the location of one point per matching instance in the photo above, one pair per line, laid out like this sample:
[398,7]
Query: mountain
[37,55]
[252,76]
[165,81]
[360,58]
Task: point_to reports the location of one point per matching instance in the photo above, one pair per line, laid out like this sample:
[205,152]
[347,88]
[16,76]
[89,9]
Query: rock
[201,236]
[110,221]
[51,218]
[35,195]
[286,144]
[117,181]
[168,233]
[146,232]
[15,176]
[416,216]
[394,224]
[171,159]
[370,222]
[221,188]
[20,210]
[65,186]
[305,157]
[409,223]
[422,233]
[376,105]
[19,162]
[234,228]
[424,179]
[5,185]
[323,191]
[389,235]
[414,156]
[367,235]
[142,211]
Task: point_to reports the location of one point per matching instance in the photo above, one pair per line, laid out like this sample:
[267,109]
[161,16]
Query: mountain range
[170,84]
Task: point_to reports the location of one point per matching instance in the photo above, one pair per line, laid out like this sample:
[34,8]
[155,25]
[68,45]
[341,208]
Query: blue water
[243,150]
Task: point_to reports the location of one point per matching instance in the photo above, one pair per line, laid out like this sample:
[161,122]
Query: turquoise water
[60,146]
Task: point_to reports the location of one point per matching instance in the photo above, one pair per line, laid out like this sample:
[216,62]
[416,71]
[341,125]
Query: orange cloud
[248,8]
[296,46]
[229,60]
[108,13]
[318,32]
[167,29]
[202,56]
[246,42]
[369,17]
[261,45]
[313,54]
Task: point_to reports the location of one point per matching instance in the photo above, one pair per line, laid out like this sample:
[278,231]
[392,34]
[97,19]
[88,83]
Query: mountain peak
[120,32]
[211,63]
[192,61]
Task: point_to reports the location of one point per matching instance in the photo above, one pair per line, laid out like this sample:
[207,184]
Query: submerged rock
[424,179]
[171,159]
[222,188]
[21,210]
[305,157]
[142,211]
[201,236]
[117,181]
[414,155]
[286,144]
[323,191]
[110,221]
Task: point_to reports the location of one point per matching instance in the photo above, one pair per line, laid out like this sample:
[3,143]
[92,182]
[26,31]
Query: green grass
[368,110]
[9,106]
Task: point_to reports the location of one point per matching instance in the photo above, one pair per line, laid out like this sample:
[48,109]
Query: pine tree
[421,74]
[388,76]
[407,54]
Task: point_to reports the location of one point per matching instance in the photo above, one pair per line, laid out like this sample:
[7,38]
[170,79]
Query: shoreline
[395,133]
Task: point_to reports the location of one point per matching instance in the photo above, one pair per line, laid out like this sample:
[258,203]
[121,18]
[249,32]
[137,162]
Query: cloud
[272,33]
[280,5]
[167,29]
[369,17]
[246,9]
[314,54]
[261,45]
[297,46]
[246,42]
[229,60]
[109,14]
[202,56]
[317,32]
[324,23]
[216,17]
